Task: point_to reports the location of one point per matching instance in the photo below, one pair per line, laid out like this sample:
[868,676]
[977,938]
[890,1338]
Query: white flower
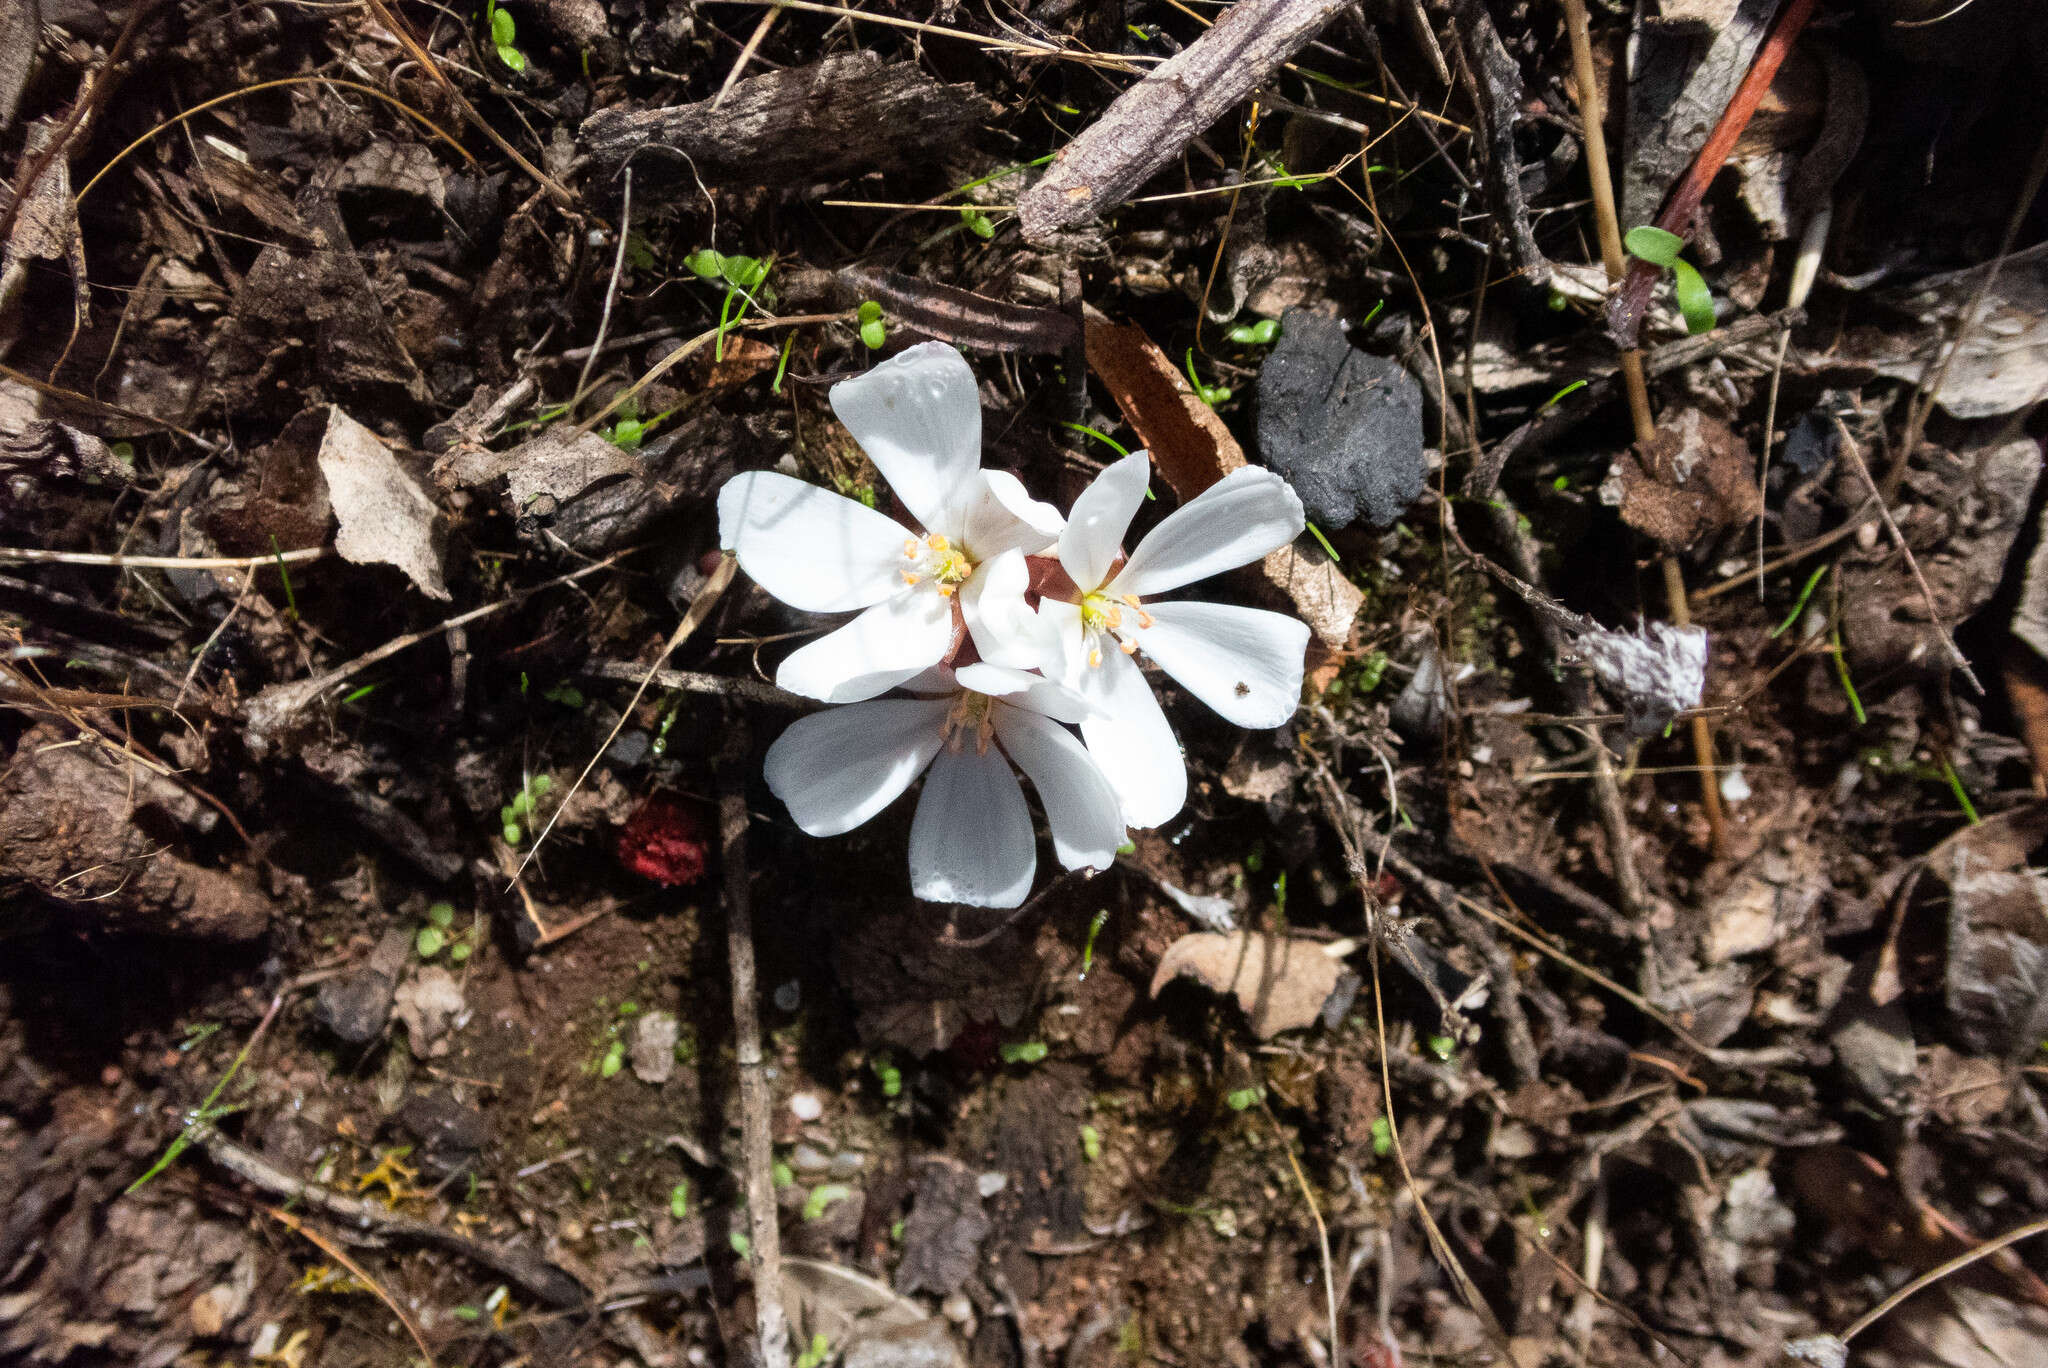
[1246,663]
[919,419]
[971,840]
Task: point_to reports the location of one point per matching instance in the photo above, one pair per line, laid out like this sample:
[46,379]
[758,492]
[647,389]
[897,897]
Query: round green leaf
[428,941]
[704,263]
[1653,245]
[874,335]
[1695,301]
[503,31]
[442,914]
[511,56]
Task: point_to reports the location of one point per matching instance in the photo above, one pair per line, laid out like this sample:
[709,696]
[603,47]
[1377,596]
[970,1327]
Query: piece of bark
[959,316]
[83,825]
[1497,92]
[1148,125]
[306,312]
[842,116]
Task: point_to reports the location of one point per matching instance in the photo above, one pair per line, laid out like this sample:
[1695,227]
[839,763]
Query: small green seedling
[873,332]
[516,817]
[613,1061]
[978,222]
[781,1174]
[1259,334]
[1091,1143]
[1243,1099]
[1095,925]
[887,1074]
[742,276]
[504,35]
[822,1196]
[741,1245]
[1660,248]
[1382,1136]
[817,1354]
[1023,1052]
[437,933]
[1443,1047]
[1212,395]
[679,1199]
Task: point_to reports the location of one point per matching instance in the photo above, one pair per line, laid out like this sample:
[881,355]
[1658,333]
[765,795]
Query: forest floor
[381,799]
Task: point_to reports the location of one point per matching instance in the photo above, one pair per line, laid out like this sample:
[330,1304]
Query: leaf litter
[357,466]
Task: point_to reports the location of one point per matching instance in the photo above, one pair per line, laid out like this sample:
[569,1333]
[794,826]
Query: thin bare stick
[1935,1275]
[1936,374]
[700,608]
[611,291]
[1948,642]
[765,1255]
[356,1271]
[1315,1212]
[1606,221]
[34,557]
[753,46]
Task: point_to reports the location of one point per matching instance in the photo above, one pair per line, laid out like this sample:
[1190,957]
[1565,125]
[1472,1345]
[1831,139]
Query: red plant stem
[1682,205]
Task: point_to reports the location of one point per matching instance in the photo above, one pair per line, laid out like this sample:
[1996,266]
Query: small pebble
[806,1158]
[806,1107]
[989,1184]
[789,996]
[1734,788]
[957,1308]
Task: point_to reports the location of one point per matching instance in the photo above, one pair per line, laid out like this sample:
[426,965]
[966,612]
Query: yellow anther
[935,542]
[910,547]
[1131,599]
[1128,647]
[1095,658]
[946,591]
[909,578]
[1144,619]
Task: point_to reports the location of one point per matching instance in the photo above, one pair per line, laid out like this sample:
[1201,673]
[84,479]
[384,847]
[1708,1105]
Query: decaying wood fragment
[959,316]
[1150,123]
[844,115]
[1497,92]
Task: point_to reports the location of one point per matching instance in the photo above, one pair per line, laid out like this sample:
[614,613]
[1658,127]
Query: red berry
[665,841]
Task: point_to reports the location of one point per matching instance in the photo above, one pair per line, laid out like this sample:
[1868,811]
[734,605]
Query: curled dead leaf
[1281,982]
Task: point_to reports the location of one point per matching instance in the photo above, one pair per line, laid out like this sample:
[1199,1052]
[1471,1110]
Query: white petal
[875,652]
[1231,523]
[1133,745]
[1006,631]
[1001,517]
[1067,641]
[971,840]
[1034,692]
[918,417]
[1245,663]
[809,547]
[1101,517]
[1080,807]
[836,769]
[936,680]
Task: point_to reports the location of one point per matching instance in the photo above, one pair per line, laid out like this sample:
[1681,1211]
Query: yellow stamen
[935,542]
[909,578]
[1144,619]
[910,547]
[1095,658]
[1131,599]
[946,591]
[1128,647]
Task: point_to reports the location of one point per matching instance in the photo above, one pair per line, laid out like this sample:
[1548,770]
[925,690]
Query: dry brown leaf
[1281,982]
[385,517]
[1693,478]
[1192,449]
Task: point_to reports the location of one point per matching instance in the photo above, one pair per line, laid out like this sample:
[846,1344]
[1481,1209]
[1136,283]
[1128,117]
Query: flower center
[1102,614]
[970,715]
[938,561]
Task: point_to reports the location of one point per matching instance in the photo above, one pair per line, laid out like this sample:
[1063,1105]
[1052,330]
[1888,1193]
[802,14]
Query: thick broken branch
[1150,123]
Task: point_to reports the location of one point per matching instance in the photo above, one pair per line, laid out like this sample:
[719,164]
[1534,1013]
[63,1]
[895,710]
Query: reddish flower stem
[1682,206]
